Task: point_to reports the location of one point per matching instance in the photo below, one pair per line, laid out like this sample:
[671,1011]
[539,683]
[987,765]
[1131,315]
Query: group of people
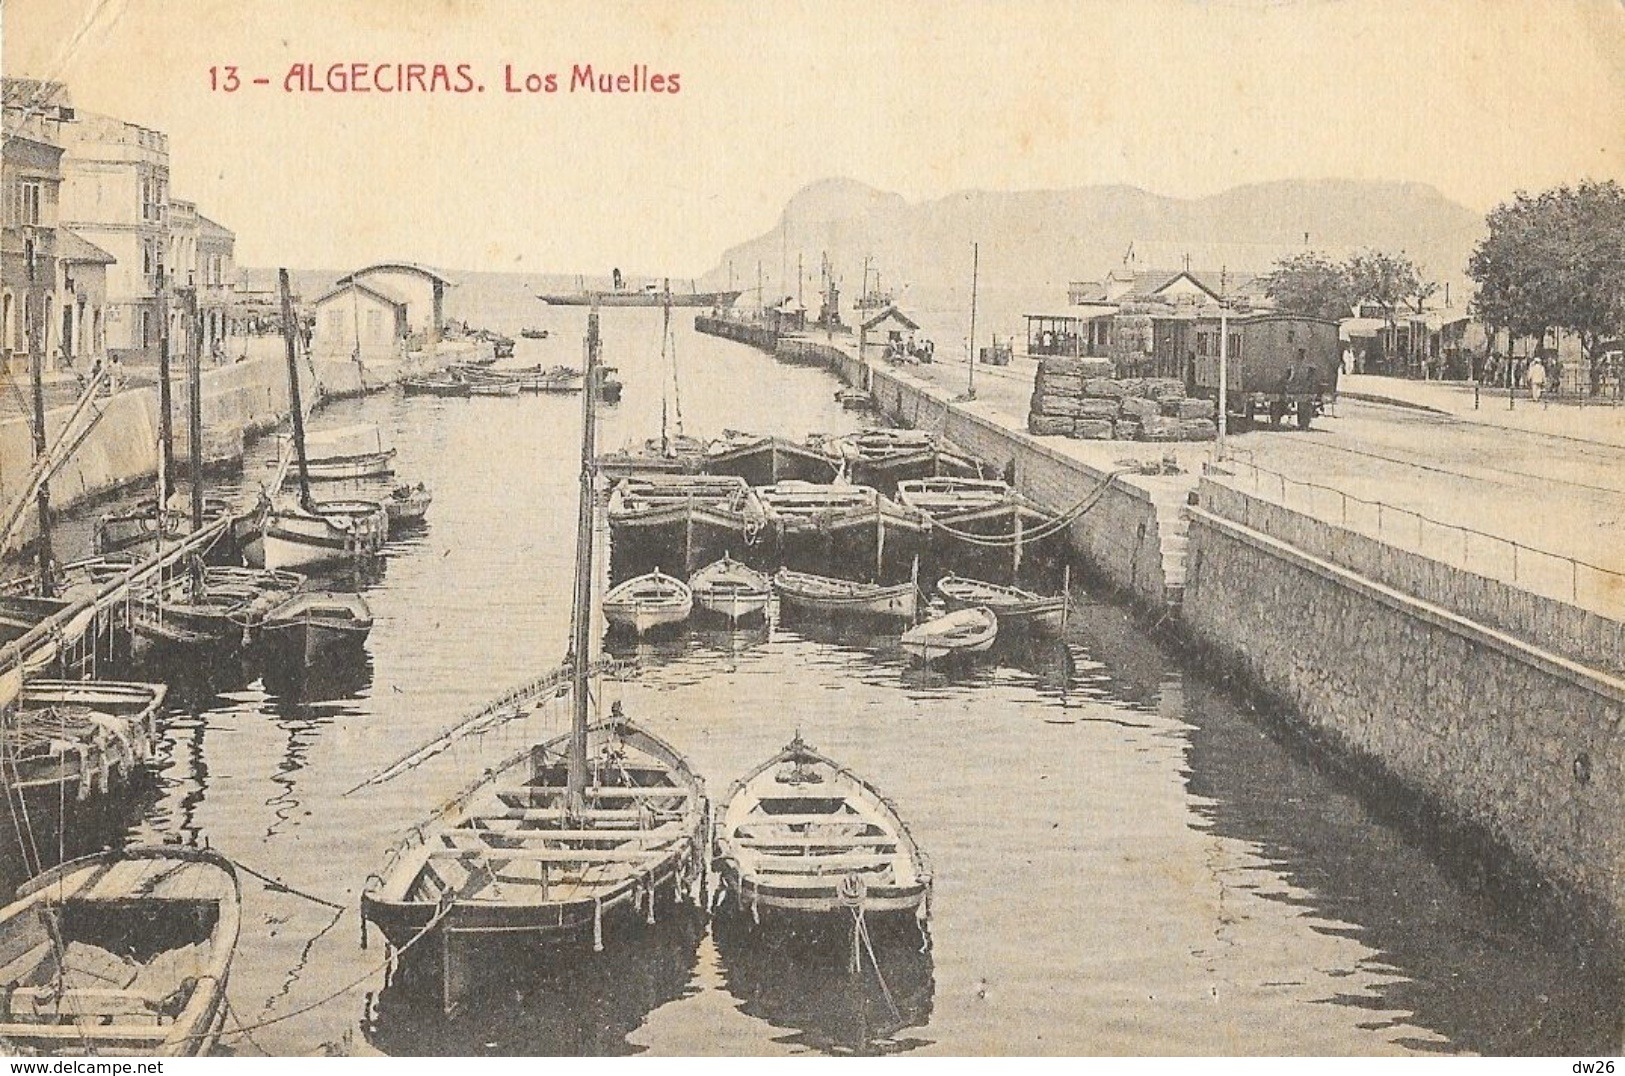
[898,350]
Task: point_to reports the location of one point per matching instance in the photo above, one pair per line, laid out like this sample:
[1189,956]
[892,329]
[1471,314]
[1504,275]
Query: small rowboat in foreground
[965,631]
[731,589]
[313,623]
[648,602]
[804,839]
[823,594]
[124,954]
[1016,608]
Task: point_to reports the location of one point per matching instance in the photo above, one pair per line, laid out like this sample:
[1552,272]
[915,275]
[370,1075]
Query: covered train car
[1278,364]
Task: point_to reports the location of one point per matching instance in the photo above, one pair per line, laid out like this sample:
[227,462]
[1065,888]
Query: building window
[1201,344]
[25,207]
[335,323]
[146,257]
[1235,346]
[1290,334]
[375,324]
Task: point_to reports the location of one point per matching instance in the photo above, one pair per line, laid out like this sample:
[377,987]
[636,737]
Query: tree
[1311,284]
[1386,280]
[1555,260]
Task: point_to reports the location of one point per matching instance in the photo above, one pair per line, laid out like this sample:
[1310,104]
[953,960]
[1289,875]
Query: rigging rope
[1042,530]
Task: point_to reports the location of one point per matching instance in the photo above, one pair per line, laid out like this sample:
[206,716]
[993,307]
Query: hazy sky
[1180,97]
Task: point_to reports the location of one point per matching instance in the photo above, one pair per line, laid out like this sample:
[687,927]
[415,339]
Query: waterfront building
[422,289]
[82,297]
[31,181]
[360,321]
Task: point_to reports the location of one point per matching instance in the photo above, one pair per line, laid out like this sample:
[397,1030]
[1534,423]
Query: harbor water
[1127,860]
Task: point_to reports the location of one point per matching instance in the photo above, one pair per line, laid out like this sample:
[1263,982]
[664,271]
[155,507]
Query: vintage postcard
[890,528]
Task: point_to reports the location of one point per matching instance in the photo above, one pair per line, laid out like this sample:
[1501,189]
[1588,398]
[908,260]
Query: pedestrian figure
[1536,377]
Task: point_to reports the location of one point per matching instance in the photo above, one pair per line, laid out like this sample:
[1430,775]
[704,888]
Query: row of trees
[1555,260]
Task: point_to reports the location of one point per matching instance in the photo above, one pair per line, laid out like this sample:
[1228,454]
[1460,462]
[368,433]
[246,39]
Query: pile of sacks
[1080,398]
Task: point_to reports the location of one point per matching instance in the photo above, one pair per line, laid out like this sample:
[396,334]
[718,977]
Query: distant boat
[1016,608]
[126,954]
[826,595]
[312,624]
[802,840]
[407,505]
[439,385]
[348,452]
[494,387]
[854,399]
[651,601]
[677,454]
[731,589]
[553,379]
[649,296]
[533,334]
[964,631]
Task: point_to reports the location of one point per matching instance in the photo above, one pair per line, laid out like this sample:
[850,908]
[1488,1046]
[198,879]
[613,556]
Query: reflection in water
[334,676]
[581,1003]
[802,982]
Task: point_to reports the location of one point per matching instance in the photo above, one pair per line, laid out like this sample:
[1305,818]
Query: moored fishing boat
[348,452]
[125,953]
[143,524]
[731,589]
[828,596]
[407,505]
[323,533]
[1015,607]
[686,518]
[648,602]
[963,631]
[70,740]
[803,841]
[814,523]
[434,385]
[762,460]
[493,387]
[883,458]
[566,840]
[533,334]
[310,625]
[548,379]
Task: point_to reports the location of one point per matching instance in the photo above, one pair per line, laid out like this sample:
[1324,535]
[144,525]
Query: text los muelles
[441,78]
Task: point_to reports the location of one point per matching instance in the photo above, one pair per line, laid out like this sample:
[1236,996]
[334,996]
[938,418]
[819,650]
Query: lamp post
[1224,376]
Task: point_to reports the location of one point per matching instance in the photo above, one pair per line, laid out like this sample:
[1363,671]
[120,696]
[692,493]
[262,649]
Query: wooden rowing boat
[312,624]
[680,518]
[356,451]
[1015,607]
[829,596]
[434,386]
[143,523]
[125,953]
[648,602]
[951,495]
[731,589]
[407,505]
[562,840]
[963,631]
[801,837]
[327,532]
[763,460]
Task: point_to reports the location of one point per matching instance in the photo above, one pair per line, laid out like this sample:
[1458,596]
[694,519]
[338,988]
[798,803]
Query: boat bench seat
[46,1001]
[834,819]
[547,794]
[800,864]
[477,839]
[797,840]
[555,814]
[549,855]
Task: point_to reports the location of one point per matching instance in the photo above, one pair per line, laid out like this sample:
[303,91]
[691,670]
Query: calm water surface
[1126,863]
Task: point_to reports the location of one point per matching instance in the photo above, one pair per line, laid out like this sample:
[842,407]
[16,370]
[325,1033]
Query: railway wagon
[1278,364]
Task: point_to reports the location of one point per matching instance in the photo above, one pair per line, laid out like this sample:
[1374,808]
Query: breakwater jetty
[1415,638]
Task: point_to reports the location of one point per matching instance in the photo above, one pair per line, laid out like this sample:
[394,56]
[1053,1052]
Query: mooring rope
[1042,530]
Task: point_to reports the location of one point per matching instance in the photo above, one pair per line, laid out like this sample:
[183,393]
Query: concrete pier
[1368,576]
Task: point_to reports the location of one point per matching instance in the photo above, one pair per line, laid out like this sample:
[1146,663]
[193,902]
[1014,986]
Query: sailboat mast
[975,262]
[580,645]
[194,429]
[665,372]
[36,370]
[288,330]
[166,407]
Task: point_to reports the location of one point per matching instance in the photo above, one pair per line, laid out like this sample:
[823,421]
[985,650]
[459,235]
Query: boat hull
[372,465]
[299,541]
[639,298]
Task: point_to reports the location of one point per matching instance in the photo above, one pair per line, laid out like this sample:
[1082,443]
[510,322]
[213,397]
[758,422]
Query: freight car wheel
[1306,413]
